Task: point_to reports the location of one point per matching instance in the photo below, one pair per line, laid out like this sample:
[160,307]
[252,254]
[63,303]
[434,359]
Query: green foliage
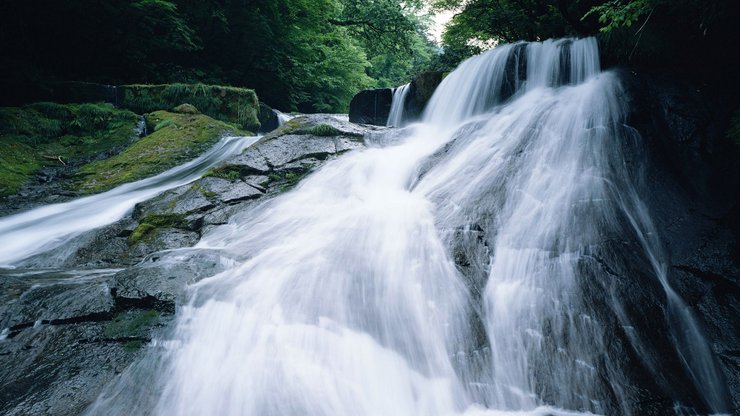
[181,137]
[620,13]
[306,55]
[27,134]
[150,225]
[230,104]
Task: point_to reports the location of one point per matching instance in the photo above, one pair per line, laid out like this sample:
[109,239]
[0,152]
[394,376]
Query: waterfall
[42,229]
[395,117]
[282,117]
[485,265]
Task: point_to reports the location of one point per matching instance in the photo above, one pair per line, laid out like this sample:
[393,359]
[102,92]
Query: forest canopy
[314,55]
[307,55]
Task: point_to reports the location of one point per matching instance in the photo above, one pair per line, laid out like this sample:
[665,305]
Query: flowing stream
[42,229]
[468,269]
[395,117]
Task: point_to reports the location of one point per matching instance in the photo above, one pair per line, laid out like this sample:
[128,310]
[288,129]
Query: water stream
[396,115]
[473,268]
[44,228]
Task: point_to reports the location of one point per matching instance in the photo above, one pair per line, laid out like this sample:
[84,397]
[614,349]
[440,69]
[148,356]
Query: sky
[439,21]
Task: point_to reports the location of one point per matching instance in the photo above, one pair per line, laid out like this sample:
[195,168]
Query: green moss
[150,225]
[287,179]
[185,109]
[178,139]
[229,172]
[163,124]
[230,104]
[203,191]
[132,323]
[73,131]
[322,130]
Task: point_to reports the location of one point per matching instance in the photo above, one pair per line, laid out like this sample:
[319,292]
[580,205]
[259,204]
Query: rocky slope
[67,333]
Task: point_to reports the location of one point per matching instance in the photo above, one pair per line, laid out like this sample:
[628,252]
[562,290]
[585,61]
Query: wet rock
[267,117]
[164,276]
[294,147]
[420,92]
[227,191]
[371,106]
[58,302]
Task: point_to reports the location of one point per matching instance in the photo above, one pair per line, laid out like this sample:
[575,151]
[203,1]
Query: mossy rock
[230,104]
[34,136]
[150,226]
[177,138]
[186,109]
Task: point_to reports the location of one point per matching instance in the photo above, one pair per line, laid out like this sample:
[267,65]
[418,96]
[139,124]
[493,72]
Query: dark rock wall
[420,92]
[692,189]
[371,106]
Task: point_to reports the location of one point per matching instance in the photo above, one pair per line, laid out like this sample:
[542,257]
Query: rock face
[374,106]
[420,91]
[371,107]
[268,118]
[694,192]
[67,334]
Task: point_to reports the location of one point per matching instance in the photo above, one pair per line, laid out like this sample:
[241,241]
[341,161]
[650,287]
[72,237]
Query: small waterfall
[395,118]
[498,260]
[42,229]
[282,117]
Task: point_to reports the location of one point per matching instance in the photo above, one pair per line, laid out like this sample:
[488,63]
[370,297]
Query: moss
[229,172]
[230,104]
[150,225]
[178,138]
[287,179]
[162,124]
[322,130]
[203,191]
[185,109]
[17,162]
[132,323]
[73,131]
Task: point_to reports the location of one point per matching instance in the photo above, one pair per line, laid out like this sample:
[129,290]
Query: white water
[282,117]
[42,229]
[395,117]
[347,301]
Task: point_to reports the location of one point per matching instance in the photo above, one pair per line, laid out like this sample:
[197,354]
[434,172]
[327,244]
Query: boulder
[185,109]
[268,119]
[420,92]
[371,106]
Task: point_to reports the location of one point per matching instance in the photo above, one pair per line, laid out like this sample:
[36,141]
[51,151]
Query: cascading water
[478,267]
[282,117]
[44,228]
[395,117]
